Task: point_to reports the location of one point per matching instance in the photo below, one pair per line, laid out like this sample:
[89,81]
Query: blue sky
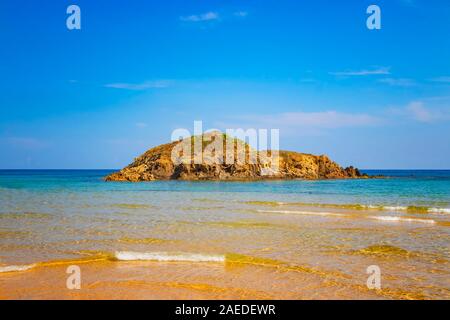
[137,70]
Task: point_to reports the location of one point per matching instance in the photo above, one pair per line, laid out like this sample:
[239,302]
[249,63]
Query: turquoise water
[401,187]
[400,222]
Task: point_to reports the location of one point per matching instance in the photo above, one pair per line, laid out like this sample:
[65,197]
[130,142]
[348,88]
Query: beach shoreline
[211,240]
[105,280]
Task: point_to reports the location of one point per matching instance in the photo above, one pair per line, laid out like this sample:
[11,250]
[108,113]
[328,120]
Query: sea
[334,231]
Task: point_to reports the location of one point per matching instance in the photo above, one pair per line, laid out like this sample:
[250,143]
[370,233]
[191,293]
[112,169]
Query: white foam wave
[165,256]
[402,208]
[402,219]
[15,268]
[439,210]
[394,208]
[309,213]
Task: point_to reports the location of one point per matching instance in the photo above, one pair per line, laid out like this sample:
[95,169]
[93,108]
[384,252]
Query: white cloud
[378,71]
[303,122]
[201,17]
[420,112]
[398,82]
[319,123]
[139,86]
[326,119]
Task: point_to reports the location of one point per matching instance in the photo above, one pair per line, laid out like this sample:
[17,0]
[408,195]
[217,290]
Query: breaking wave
[354,206]
[439,210]
[403,219]
[4,269]
[310,213]
[165,256]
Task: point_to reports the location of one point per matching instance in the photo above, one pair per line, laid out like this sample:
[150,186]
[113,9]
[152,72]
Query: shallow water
[329,230]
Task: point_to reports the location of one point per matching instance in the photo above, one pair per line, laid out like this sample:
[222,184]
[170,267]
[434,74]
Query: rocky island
[158,164]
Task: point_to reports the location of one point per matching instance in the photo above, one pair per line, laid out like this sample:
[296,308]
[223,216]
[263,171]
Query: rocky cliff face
[158,164]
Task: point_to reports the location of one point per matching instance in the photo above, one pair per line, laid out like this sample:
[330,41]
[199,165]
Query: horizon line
[91,169]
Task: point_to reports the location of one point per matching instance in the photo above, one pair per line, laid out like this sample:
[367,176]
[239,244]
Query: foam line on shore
[309,213]
[16,268]
[355,206]
[402,219]
[380,218]
[439,210]
[165,256]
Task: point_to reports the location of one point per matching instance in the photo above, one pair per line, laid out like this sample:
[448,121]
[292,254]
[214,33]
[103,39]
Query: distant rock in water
[178,161]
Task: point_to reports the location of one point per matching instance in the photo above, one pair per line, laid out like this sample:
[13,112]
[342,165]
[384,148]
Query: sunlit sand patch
[85,232]
[15,234]
[206,200]
[264,203]
[89,259]
[143,240]
[91,255]
[131,206]
[237,259]
[444,223]
[241,224]
[384,250]
[13,246]
[85,241]
[202,208]
[206,288]
[25,215]
[402,294]
[358,229]
[245,259]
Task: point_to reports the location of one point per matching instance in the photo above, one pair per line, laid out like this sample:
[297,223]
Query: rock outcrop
[158,164]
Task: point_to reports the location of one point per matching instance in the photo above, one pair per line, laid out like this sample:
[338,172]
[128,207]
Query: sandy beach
[181,280]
